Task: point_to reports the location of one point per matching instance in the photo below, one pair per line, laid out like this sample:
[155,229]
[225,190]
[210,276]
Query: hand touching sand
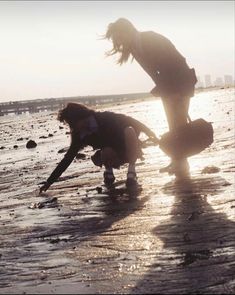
[45,187]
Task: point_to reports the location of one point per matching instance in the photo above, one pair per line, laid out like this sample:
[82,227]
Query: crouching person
[114,136]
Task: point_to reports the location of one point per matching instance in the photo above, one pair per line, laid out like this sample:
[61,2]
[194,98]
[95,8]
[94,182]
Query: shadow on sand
[199,245]
[103,209]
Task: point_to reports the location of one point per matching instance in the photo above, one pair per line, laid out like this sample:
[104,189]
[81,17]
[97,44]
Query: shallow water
[164,238]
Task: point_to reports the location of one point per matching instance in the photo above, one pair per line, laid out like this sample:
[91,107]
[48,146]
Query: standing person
[114,136]
[168,69]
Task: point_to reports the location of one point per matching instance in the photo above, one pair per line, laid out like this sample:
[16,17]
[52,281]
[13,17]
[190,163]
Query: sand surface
[80,238]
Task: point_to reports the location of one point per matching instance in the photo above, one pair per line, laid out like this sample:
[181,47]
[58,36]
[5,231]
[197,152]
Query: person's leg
[109,159]
[176,110]
[131,144]
[109,177]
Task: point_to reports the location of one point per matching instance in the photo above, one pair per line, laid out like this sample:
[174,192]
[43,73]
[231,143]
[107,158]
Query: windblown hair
[120,27]
[74,112]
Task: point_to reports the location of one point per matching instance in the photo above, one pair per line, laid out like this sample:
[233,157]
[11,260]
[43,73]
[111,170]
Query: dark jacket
[110,133]
[165,65]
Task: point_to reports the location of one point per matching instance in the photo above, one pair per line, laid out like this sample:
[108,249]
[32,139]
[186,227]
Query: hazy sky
[52,48]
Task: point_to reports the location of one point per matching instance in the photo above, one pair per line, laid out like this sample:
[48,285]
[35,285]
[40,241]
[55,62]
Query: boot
[109,178]
[131,180]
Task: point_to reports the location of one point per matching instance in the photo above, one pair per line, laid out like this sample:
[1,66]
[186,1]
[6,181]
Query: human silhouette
[114,136]
[168,69]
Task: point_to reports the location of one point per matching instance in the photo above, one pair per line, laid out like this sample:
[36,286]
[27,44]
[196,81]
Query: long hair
[74,112]
[116,30]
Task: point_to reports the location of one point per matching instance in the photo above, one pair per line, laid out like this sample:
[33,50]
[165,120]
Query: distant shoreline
[151,97]
[197,90]
[95,101]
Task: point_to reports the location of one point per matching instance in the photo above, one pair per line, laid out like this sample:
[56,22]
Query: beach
[79,237]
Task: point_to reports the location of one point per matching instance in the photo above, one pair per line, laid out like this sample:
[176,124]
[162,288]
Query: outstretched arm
[143,128]
[63,165]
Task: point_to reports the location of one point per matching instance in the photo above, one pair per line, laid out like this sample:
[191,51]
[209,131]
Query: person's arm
[143,128]
[64,163]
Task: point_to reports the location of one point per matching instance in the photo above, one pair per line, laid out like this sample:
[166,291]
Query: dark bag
[187,140]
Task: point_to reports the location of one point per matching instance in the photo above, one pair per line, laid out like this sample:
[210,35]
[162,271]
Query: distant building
[208,81]
[228,80]
[199,83]
[218,82]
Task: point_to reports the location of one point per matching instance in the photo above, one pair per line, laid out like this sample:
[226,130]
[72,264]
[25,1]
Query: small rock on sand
[31,144]
[210,169]
[64,150]
[99,189]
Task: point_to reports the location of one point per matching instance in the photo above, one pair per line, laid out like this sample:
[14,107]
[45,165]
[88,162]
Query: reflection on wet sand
[79,237]
[199,240]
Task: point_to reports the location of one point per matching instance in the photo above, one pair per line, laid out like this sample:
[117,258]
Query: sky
[54,48]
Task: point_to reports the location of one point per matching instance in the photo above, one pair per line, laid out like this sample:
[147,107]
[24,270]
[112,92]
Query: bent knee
[130,132]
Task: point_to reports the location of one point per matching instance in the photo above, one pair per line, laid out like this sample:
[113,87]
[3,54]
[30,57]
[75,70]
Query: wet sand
[166,237]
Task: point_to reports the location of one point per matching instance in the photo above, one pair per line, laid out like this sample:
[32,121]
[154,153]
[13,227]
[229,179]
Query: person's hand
[45,187]
[152,135]
[154,138]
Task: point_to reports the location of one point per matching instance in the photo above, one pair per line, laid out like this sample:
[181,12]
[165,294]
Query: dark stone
[31,144]
[15,146]
[210,169]
[99,189]
[64,150]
